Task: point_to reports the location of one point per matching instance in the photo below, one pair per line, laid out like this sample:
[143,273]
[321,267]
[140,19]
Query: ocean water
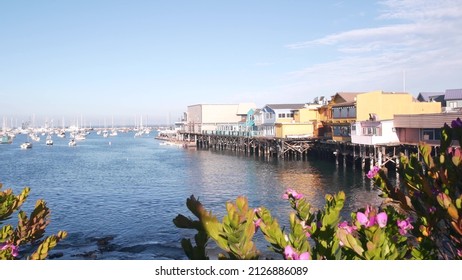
[116,197]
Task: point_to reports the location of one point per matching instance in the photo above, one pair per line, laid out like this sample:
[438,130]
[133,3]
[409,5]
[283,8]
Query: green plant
[431,190]
[29,231]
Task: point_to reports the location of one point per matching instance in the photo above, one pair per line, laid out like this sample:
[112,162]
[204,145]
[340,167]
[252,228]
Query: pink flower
[404,226]
[382,219]
[290,254]
[14,249]
[304,256]
[373,172]
[369,218]
[257,224]
[344,225]
[292,193]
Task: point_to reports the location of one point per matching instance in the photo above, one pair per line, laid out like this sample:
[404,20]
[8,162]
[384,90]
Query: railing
[231,133]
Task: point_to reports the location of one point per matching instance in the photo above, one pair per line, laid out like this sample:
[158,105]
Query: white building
[208,118]
[373,132]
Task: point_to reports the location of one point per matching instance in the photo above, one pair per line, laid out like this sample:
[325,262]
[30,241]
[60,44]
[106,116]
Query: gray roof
[453,94]
[286,106]
[431,96]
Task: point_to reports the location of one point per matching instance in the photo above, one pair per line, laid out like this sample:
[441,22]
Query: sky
[104,60]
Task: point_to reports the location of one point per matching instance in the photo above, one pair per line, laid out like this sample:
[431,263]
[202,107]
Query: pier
[342,153]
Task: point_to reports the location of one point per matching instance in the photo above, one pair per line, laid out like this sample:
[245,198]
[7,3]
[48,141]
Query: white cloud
[421,9]
[425,44]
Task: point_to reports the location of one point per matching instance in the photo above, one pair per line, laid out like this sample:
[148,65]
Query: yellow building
[387,104]
[303,124]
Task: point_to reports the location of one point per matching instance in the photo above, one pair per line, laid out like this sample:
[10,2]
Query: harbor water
[116,197]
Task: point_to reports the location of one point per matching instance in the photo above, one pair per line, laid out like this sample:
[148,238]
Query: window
[336,112]
[282,115]
[370,131]
[341,130]
[431,134]
[344,112]
[352,112]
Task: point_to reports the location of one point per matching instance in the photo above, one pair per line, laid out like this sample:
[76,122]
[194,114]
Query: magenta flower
[257,224]
[304,256]
[364,220]
[14,249]
[457,123]
[344,225]
[404,226]
[292,193]
[373,172]
[290,254]
[369,218]
[382,219]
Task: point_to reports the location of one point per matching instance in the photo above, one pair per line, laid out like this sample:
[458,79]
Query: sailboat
[6,139]
[49,141]
[72,143]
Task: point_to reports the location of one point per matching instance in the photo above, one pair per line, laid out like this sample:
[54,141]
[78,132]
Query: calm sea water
[117,201]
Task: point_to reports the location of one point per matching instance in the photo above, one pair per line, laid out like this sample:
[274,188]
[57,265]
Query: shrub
[29,232]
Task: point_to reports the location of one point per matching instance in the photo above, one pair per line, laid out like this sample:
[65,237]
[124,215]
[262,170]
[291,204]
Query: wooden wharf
[342,153]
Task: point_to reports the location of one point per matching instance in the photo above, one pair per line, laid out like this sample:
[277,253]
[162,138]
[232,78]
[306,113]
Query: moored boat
[72,143]
[49,141]
[26,145]
[6,139]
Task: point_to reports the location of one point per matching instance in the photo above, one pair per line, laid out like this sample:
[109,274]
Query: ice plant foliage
[14,250]
[424,220]
[312,234]
[29,232]
[431,189]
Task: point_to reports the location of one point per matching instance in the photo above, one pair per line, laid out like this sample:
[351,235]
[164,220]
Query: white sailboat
[49,140]
[72,143]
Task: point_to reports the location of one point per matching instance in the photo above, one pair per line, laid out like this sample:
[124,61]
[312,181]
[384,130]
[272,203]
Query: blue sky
[125,59]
